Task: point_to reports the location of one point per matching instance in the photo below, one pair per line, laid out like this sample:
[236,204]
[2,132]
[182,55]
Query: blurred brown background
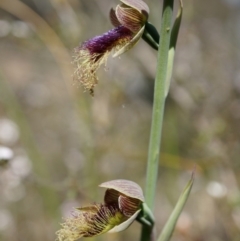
[65,142]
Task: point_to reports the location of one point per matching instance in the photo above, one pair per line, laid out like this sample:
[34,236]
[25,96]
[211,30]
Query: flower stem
[158,104]
[158,111]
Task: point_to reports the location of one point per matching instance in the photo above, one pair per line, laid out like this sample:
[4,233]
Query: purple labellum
[106,42]
[94,52]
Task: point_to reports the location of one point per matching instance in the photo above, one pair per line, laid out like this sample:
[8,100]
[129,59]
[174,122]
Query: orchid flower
[122,205]
[129,20]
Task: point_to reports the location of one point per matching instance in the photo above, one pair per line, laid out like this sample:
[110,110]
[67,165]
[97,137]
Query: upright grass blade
[7,98]
[171,223]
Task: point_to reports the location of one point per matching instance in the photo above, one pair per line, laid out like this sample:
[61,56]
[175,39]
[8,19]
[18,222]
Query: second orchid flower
[122,205]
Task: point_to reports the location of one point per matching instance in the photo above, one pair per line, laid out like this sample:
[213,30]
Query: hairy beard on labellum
[94,52]
[89,222]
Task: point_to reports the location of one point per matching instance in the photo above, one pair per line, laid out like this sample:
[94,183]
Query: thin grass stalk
[49,198]
[158,112]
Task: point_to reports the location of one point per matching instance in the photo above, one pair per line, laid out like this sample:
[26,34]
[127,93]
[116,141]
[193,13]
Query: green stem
[159,102]
[158,111]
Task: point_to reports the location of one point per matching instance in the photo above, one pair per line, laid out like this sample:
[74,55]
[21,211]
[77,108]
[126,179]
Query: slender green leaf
[171,223]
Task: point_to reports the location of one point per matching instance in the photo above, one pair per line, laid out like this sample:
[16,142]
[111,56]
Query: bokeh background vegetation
[65,142]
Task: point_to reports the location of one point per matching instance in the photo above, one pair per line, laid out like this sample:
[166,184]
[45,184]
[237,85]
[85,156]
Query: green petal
[130,18]
[126,224]
[151,35]
[139,5]
[129,45]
